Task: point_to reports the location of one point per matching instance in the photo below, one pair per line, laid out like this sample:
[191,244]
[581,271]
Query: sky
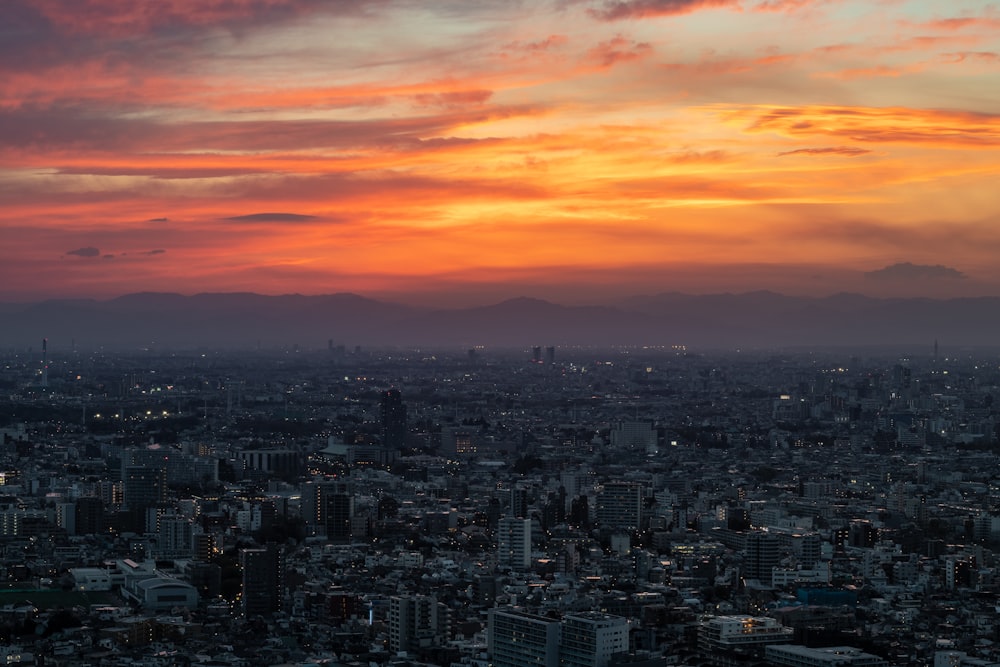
[459,152]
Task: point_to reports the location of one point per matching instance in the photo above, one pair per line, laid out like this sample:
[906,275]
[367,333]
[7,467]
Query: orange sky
[461,152]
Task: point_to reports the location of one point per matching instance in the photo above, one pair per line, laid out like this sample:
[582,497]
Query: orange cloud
[618,50]
[952,129]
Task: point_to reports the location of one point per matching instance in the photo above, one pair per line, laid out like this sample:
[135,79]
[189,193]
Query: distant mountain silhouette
[752,320]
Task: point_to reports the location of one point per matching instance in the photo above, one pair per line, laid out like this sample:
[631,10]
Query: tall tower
[45,362]
[514,543]
[760,556]
[263,579]
[417,622]
[393,419]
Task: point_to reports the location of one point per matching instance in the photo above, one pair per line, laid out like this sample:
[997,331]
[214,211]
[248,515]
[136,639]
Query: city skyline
[458,154]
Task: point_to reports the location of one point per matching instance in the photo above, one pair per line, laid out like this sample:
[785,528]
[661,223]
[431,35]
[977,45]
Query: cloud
[962,56]
[617,50]
[158,220]
[956,129]
[158,251]
[615,10]
[849,151]
[89,251]
[272,217]
[908,271]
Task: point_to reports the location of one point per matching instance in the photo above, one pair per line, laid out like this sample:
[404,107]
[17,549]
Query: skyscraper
[760,556]
[393,413]
[514,543]
[417,622]
[619,505]
[263,580]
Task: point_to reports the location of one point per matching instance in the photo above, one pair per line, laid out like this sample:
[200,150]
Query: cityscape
[491,333]
[632,506]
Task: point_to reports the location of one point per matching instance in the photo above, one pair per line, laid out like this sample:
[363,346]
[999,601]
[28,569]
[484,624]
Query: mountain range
[748,320]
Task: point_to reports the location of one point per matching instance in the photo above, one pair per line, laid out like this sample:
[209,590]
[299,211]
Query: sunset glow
[456,152]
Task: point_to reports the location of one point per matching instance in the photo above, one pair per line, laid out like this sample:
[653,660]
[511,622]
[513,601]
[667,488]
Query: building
[619,506]
[175,537]
[795,655]
[960,659]
[591,639]
[518,639]
[263,580]
[417,622]
[760,556]
[723,636]
[393,413]
[328,508]
[514,543]
[144,486]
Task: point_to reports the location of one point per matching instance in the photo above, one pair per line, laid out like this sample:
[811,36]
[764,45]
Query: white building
[514,543]
[590,639]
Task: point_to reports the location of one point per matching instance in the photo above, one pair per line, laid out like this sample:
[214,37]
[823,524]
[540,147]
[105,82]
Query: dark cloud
[909,271]
[849,151]
[158,220]
[109,257]
[83,127]
[158,251]
[615,10]
[272,217]
[89,251]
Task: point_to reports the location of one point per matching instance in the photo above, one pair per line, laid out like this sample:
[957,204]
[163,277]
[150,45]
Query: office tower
[514,543]
[536,354]
[517,639]
[417,622]
[619,505]
[327,509]
[144,487]
[550,355]
[393,412]
[760,556]
[518,502]
[590,639]
[263,580]
[89,515]
[175,536]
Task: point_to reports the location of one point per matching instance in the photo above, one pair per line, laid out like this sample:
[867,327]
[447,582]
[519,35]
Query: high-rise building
[89,515]
[175,536]
[619,505]
[517,639]
[417,622]
[518,502]
[393,413]
[760,556]
[514,543]
[328,508]
[590,639]
[263,580]
[144,487]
